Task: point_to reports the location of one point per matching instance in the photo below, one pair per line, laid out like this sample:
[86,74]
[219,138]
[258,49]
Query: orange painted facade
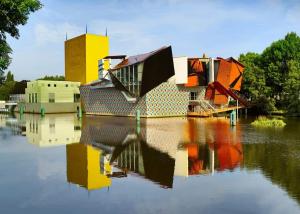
[229,75]
[192,81]
[195,66]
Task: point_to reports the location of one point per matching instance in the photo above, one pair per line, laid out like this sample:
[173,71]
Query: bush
[265,122]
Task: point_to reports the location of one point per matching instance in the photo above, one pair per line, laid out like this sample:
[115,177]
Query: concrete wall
[181,70]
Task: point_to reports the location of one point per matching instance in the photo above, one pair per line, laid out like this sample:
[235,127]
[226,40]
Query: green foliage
[263,105]
[271,79]
[9,77]
[12,14]
[5,60]
[275,62]
[254,81]
[53,78]
[7,87]
[265,122]
[292,88]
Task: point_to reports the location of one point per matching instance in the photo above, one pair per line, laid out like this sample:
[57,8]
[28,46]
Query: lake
[62,164]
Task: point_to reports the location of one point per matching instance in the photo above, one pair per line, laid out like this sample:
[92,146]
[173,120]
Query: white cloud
[46,33]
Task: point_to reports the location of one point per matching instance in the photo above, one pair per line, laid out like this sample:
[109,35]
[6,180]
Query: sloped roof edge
[131,60]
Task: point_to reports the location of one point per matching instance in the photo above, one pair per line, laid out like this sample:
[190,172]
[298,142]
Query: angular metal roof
[136,59]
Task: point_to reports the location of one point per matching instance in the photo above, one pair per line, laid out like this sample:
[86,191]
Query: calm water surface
[59,164]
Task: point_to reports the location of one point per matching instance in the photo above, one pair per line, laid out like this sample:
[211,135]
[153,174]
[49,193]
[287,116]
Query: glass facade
[130,77]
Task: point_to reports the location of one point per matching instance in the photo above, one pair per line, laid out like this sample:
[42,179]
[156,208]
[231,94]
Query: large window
[130,77]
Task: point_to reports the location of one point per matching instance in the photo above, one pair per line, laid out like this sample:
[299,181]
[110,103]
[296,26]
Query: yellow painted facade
[63,91]
[52,96]
[83,167]
[81,57]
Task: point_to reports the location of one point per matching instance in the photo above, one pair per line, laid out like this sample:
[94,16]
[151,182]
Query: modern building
[155,84]
[51,97]
[158,85]
[82,54]
[147,82]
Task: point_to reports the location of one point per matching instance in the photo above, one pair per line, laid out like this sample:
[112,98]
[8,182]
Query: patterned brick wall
[109,101]
[166,100]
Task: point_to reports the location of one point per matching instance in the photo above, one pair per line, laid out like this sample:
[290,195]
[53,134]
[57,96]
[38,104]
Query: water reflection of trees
[280,162]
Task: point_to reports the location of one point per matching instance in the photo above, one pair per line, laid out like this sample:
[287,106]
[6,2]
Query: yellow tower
[81,57]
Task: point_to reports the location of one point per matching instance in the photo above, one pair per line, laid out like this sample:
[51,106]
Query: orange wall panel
[192,81]
[223,76]
[220,99]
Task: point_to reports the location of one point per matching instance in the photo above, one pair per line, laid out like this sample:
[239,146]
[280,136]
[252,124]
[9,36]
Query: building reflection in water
[52,129]
[87,166]
[113,147]
[100,149]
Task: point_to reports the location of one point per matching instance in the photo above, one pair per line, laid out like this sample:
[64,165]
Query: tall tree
[12,14]
[254,81]
[292,87]
[275,59]
[273,77]
[9,77]
[4,59]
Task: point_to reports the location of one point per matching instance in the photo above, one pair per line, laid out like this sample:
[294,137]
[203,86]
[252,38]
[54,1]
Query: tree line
[271,80]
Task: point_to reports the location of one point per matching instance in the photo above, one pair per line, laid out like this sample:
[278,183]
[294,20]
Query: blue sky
[193,27]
